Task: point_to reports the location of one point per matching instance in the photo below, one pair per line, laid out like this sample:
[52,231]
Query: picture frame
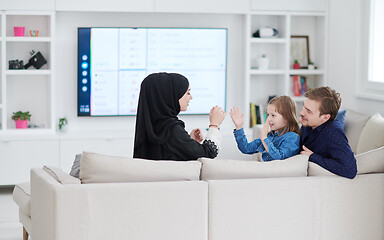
[300,50]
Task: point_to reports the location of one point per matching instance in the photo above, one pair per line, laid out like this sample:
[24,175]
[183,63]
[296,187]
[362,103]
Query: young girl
[282,141]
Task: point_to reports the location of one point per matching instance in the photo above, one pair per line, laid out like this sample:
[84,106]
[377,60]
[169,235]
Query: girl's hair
[286,107]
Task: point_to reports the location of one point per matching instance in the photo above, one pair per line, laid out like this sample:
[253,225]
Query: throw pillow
[341,117]
[98,168]
[354,124]
[243,169]
[372,136]
[75,170]
[371,161]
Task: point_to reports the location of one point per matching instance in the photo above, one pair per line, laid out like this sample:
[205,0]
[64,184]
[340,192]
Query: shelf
[298,99]
[267,72]
[29,131]
[268,40]
[28,39]
[305,72]
[277,78]
[28,72]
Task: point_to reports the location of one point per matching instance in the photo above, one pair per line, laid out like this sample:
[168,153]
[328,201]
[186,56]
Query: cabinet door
[202,6]
[292,5]
[102,6]
[115,147]
[21,5]
[18,157]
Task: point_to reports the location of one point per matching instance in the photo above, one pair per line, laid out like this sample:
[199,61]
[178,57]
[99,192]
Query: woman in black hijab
[160,135]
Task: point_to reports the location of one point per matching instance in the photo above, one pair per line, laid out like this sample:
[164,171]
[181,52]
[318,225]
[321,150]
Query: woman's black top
[160,135]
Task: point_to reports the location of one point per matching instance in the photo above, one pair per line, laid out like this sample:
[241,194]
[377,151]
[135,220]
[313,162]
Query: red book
[296,85]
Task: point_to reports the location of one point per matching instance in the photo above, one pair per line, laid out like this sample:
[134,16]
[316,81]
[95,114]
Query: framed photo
[300,50]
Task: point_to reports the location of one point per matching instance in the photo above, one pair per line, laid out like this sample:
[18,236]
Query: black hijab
[157,113]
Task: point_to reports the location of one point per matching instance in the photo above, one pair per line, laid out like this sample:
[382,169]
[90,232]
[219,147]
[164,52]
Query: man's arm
[339,158]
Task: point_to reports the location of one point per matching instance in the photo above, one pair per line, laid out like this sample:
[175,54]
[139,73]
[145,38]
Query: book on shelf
[299,85]
[256,114]
[252,116]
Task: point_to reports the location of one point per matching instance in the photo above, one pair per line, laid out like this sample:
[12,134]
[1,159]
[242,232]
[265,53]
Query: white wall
[66,57]
[345,39]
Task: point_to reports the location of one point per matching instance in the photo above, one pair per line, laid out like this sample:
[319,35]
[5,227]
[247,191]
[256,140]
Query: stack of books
[256,114]
[299,84]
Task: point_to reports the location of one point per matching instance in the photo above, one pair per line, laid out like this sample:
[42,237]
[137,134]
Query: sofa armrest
[60,176]
[59,211]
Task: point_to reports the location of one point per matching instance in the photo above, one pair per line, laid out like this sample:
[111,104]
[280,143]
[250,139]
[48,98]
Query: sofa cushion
[243,169]
[371,161]
[316,170]
[22,196]
[372,135]
[354,124]
[99,168]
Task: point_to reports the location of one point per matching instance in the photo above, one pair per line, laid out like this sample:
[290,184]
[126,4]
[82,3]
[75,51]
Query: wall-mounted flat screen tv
[112,62]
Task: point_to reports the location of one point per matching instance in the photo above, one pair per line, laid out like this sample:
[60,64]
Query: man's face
[310,114]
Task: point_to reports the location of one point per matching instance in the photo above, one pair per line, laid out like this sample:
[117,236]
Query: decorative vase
[262,63]
[21,123]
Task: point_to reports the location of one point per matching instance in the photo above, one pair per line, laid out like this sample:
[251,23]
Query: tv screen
[112,62]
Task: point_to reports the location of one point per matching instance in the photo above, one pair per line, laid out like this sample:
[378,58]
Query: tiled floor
[10,227]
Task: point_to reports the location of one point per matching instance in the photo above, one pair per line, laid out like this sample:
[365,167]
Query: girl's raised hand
[237,117]
[264,131]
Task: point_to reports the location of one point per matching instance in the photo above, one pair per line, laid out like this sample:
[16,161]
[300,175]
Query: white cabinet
[277,79]
[202,6]
[27,89]
[17,157]
[102,6]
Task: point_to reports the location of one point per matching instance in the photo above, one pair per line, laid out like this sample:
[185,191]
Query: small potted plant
[62,123]
[21,119]
[296,64]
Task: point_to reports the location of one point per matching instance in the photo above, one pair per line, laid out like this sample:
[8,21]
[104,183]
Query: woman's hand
[197,135]
[237,117]
[216,116]
[264,131]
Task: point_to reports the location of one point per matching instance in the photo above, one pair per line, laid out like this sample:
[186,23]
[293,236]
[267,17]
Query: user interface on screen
[112,62]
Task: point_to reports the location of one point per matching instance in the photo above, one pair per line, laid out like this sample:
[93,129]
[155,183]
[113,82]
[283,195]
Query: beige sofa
[208,199]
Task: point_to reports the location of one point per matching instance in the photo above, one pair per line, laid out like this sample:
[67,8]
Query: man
[322,138]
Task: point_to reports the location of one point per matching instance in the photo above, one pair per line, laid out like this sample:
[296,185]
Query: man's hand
[306,151]
[196,135]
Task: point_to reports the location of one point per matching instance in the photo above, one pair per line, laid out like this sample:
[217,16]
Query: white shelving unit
[276,80]
[27,89]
